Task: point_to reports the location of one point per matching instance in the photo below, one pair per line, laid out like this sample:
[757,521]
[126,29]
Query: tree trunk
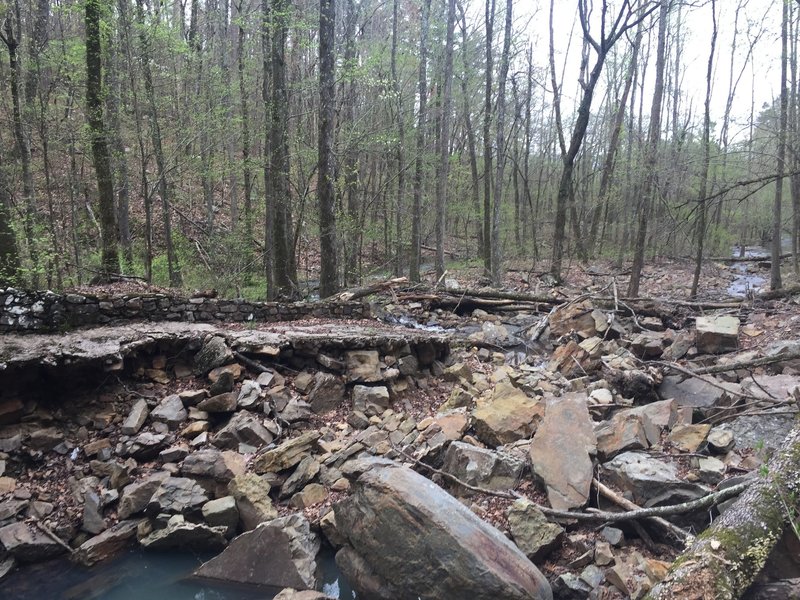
[246,166]
[400,149]
[726,557]
[328,279]
[269,196]
[109,262]
[775,266]
[351,154]
[422,120]
[487,140]
[444,139]
[9,255]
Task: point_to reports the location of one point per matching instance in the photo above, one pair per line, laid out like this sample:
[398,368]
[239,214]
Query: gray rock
[222,512]
[170,411]
[489,469]
[244,427]
[370,400]
[296,410]
[279,553]
[562,449]
[249,394]
[303,474]
[214,353]
[760,431]
[146,446]
[363,366]
[28,543]
[327,394]
[107,544]
[705,399]
[531,530]
[717,334]
[136,418]
[287,455]
[93,521]
[213,464]
[223,384]
[136,496]
[177,495]
[221,403]
[394,517]
[651,481]
[178,534]
[45,439]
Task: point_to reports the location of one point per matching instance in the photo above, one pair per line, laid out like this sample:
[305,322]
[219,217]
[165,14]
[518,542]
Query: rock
[223,385]
[296,410]
[327,393]
[136,496]
[705,399]
[136,418]
[303,474]
[717,334]
[251,493]
[570,587]
[279,553]
[174,454]
[45,439]
[760,431]
[146,446]
[712,470]
[93,521]
[612,535]
[396,516]
[194,429]
[635,428]
[452,424]
[292,594]
[192,397]
[562,449]
[509,416]
[179,534]
[234,369]
[531,531]
[651,481]
[688,438]
[720,440]
[363,366]
[313,493]
[214,353]
[11,410]
[170,411]
[603,555]
[483,468]
[177,495]
[106,545]
[287,455]
[370,400]
[303,381]
[570,360]
[249,395]
[358,420]
[330,363]
[28,543]
[213,464]
[244,427]
[7,484]
[408,365]
[578,317]
[265,379]
[10,508]
[222,512]
[221,403]
[93,448]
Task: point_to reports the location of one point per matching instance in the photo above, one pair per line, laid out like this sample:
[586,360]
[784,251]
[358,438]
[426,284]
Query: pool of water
[139,575]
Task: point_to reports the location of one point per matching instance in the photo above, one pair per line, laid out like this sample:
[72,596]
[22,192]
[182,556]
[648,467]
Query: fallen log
[356,293]
[778,294]
[741,259]
[726,558]
[748,364]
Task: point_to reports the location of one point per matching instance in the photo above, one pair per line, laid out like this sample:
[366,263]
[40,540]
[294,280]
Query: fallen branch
[49,533]
[777,294]
[726,558]
[748,364]
[249,362]
[355,294]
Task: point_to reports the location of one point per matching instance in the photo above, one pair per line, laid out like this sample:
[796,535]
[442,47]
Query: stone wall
[22,311]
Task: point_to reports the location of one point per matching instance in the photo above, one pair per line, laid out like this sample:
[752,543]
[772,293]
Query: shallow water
[139,575]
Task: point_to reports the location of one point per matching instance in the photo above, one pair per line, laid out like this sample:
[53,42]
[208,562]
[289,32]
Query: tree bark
[328,279]
[9,255]
[444,139]
[775,266]
[487,140]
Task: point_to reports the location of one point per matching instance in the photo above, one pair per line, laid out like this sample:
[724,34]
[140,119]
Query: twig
[256,366]
[49,533]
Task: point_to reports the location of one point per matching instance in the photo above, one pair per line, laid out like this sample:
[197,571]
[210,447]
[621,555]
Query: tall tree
[775,281]
[9,255]
[444,142]
[328,279]
[109,263]
[487,138]
[400,148]
[651,153]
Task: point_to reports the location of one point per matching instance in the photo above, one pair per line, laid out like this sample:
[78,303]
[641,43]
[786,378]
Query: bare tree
[444,141]
[775,262]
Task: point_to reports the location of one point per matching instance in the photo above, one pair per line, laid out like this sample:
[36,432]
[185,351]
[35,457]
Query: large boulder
[180,534]
[279,553]
[107,544]
[27,543]
[479,467]
[509,416]
[562,450]
[243,428]
[252,500]
[652,482]
[410,539]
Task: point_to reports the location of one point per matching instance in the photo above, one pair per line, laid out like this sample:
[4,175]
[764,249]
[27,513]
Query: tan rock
[688,438]
[509,416]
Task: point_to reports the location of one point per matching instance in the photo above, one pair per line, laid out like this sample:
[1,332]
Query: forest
[280,149]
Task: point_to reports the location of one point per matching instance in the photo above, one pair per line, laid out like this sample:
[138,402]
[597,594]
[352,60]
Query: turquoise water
[139,575]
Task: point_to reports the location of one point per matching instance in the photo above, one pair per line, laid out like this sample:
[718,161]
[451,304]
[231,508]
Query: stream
[749,278]
[140,575]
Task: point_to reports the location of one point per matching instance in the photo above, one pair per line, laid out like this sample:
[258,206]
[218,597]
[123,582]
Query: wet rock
[650,481]
[370,400]
[136,418]
[251,493]
[213,464]
[509,416]
[27,543]
[327,394]
[688,438]
[244,427]
[303,474]
[531,531]
[279,553]
[488,469]
[562,449]
[107,544]
[136,496]
[287,455]
[222,512]
[214,353]
[221,403]
[363,366]
[249,395]
[717,334]
[179,534]
[394,516]
[170,411]
[177,495]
